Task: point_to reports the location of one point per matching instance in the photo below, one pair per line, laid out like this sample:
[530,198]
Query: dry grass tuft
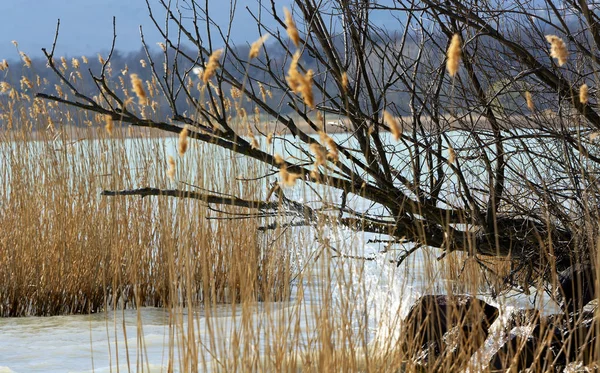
[453,55]
[558,49]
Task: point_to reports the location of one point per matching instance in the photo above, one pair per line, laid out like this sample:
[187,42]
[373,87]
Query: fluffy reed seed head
[182,144]
[453,55]
[3,65]
[301,83]
[333,153]
[255,47]
[171,170]
[320,153]
[451,155]
[138,88]
[75,63]
[291,28]
[558,49]
[212,65]
[84,59]
[108,124]
[345,81]
[394,125]
[270,138]
[584,94]
[26,59]
[287,178]
[529,100]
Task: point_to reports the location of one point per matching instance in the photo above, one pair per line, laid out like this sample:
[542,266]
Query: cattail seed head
[212,65]
[182,145]
[394,125]
[529,100]
[292,30]
[453,55]
[584,94]
[255,47]
[138,88]
[558,49]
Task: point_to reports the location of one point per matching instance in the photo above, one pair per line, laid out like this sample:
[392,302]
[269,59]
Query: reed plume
[26,59]
[255,47]
[108,124]
[453,55]
[287,178]
[394,125]
[301,83]
[292,30]
[212,65]
[529,100]
[333,153]
[171,169]
[3,65]
[320,153]
[344,81]
[182,144]
[584,94]
[451,155]
[138,88]
[558,49]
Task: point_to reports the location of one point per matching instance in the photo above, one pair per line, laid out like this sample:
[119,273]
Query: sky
[86,25]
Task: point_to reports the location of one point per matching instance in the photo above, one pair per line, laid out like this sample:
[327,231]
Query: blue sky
[86,25]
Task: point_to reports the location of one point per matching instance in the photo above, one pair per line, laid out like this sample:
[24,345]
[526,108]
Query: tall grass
[66,249]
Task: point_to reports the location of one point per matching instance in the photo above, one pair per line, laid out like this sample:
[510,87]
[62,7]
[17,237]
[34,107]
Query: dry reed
[392,122]
[529,100]
[453,55]
[291,28]
[584,94]
[212,65]
[558,49]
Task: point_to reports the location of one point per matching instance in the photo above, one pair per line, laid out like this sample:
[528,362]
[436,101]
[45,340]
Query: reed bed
[66,249]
